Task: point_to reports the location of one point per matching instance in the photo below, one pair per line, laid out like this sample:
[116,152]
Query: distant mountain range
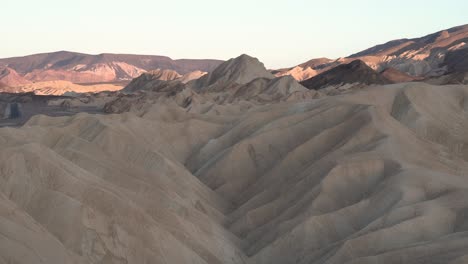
[443,53]
[433,55]
[85,68]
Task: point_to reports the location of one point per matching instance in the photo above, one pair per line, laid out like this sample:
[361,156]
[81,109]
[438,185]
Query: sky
[281,33]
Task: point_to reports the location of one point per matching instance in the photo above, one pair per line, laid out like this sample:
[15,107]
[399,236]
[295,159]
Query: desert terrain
[236,163]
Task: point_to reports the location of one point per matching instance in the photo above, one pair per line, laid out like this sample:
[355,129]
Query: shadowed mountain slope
[356,72]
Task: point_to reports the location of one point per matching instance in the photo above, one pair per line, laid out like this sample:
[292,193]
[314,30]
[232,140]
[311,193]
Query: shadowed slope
[356,72]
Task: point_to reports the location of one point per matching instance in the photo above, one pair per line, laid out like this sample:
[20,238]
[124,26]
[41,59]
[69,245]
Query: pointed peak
[245,57]
[240,70]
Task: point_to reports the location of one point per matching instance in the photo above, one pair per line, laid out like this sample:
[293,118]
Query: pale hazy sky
[280,33]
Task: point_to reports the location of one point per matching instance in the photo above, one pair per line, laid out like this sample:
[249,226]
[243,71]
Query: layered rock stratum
[86,68]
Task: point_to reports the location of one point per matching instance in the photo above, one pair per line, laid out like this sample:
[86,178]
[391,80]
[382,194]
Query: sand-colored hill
[299,73]
[240,70]
[308,69]
[164,75]
[265,90]
[150,79]
[373,176]
[215,88]
[192,76]
[63,87]
[153,79]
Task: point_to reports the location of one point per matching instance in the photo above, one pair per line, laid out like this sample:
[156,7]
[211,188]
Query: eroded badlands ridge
[373,176]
